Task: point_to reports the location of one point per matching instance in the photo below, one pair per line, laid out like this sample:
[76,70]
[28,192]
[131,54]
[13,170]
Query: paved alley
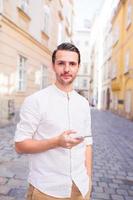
[113,157]
[113,160]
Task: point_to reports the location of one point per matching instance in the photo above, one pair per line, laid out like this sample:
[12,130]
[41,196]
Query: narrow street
[113,160]
[113,157]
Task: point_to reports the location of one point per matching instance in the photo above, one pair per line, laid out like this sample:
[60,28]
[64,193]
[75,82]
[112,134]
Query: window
[46,20]
[1,6]
[84,83]
[129,15]
[114,71]
[115,101]
[21,74]
[127,60]
[24,5]
[60,32]
[116,34]
[44,77]
[37,77]
[85,68]
[128,100]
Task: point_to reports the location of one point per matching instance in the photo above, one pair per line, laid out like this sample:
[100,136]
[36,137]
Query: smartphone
[76,136]
[82,137]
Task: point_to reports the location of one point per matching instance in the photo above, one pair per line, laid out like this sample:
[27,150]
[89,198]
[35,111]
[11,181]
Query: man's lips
[66,76]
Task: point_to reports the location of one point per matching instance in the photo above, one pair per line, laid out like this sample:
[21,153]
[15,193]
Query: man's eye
[72,63]
[61,63]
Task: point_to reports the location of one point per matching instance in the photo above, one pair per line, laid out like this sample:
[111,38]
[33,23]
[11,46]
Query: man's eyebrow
[70,61]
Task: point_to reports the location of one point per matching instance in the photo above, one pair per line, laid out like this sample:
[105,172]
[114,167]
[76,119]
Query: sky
[86,9]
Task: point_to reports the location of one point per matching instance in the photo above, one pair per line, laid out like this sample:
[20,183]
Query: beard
[65,79]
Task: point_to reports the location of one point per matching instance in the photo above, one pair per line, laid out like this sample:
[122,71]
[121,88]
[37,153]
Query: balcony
[116,85]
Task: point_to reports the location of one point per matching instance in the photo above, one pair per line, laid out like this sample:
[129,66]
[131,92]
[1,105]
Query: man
[55,129]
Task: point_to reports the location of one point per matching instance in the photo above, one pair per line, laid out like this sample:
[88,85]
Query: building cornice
[14,26]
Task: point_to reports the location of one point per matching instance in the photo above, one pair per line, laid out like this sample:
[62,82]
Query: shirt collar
[61,92]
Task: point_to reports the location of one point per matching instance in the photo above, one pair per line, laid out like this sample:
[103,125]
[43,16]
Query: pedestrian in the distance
[55,130]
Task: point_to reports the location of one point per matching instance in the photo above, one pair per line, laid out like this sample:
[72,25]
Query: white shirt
[44,115]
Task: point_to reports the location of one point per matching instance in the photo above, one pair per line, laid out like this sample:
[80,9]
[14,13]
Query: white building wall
[97,38]
[81,40]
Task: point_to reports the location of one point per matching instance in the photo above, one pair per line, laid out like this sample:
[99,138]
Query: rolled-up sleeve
[29,120]
[88,130]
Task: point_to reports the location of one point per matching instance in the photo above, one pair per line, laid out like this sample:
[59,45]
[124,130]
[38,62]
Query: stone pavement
[113,157]
[113,160]
[13,168]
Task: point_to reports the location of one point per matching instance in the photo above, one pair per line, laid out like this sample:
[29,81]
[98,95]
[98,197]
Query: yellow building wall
[117,54]
[128,46]
[125,80]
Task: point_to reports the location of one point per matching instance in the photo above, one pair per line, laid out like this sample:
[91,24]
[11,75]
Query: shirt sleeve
[88,131]
[29,120]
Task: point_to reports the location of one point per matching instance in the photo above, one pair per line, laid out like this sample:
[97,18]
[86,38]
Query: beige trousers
[35,194]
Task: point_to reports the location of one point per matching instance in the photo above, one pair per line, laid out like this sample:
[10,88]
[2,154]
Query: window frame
[21,73]
[116,34]
[129,15]
[127,61]
[128,101]
[46,20]
[43,76]
[24,6]
[114,70]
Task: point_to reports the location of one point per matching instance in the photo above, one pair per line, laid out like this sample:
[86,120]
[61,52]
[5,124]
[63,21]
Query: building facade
[111,53]
[122,53]
[29,31]
[81,40]
[93,86]
[106,68]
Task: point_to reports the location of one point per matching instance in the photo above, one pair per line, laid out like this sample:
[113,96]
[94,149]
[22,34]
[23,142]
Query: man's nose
[67,67]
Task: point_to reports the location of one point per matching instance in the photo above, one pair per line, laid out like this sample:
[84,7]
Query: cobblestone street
[113,160]
[113,157]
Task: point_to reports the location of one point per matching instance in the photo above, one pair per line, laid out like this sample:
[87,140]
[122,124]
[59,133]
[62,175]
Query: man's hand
[66,141]
[37,146]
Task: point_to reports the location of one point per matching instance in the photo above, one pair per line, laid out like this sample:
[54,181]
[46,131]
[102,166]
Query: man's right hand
[66,141]
[37,146]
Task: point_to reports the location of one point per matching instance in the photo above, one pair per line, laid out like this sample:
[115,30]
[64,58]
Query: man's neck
[64,88]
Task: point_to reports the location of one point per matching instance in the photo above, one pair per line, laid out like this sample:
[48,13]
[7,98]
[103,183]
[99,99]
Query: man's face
[66,66]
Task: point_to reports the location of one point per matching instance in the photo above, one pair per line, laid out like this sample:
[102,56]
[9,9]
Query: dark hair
[67,47]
